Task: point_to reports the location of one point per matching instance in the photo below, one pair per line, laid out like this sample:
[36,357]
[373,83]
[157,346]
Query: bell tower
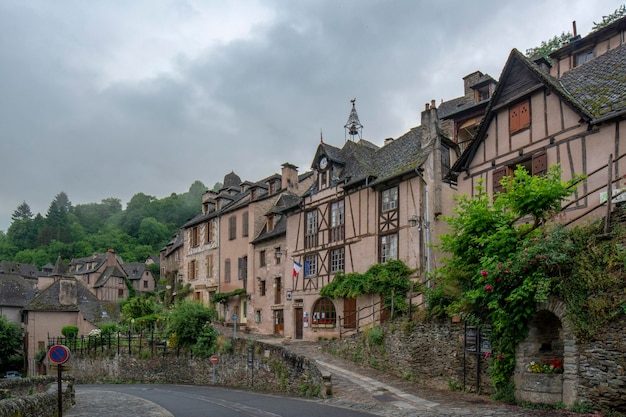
[353,127]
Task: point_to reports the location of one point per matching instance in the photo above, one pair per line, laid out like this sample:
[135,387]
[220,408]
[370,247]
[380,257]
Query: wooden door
[349,313]
[299,323]
[279,322]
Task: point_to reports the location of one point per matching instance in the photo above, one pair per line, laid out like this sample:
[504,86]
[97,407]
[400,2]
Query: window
[194,236]
[519,116]
[536,165]
[336,221]
[209,266]
[481,94]
[227,270]
[262,288]
[310,265]
[270,222]
[278,289]
[390,199]
[244,224]
[242,268]
[337,260]
[232,228]
[273,187]
[388,248]
[145,284]
[324,313]
[209,235]
[445,161]
[277,254]
[120,293]
[198,296]
[262,258]
[310,237]
[258,316]
[582,57]
[193,270]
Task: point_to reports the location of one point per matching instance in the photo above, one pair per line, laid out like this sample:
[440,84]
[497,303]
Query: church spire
[353,126]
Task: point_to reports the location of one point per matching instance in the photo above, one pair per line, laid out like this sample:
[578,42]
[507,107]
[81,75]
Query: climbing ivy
[222,297]
[391,280]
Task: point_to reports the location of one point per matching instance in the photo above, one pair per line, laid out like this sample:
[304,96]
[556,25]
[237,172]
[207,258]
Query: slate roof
[25,270]
[15,290]
[600,84]
[285,202]
[81,264]
[134,270]
[176,242]
[88,304]
[109,272]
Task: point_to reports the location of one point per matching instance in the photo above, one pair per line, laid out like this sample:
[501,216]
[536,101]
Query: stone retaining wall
[429,353]
[33,397]
[273,369]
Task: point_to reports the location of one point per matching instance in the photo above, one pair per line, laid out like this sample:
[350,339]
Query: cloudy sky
[111,98]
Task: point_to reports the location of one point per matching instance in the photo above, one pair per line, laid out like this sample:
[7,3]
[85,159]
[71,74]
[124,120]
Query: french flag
[296,268]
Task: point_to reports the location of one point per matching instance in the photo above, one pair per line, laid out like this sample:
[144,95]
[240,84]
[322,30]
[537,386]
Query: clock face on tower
[323,162]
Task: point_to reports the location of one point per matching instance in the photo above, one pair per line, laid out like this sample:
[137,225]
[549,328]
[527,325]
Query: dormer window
[582,57]
[270,222]
[273,187]
[481,94]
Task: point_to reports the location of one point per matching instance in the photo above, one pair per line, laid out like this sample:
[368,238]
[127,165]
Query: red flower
[500,356]
[499,280]
[488,288]
[484,273]
[506,271]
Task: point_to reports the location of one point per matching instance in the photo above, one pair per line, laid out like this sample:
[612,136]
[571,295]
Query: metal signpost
[214,360]
[59,354]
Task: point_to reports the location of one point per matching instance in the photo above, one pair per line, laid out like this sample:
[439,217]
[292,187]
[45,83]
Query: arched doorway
[541,375]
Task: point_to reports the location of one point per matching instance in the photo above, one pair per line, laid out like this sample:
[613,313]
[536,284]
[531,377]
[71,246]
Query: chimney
[68,293]
[289,177]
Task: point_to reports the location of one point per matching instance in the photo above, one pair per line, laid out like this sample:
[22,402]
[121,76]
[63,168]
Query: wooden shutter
[498,174]
[540,163]
[519,116]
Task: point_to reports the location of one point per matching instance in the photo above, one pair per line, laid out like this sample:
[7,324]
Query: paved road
[194,401]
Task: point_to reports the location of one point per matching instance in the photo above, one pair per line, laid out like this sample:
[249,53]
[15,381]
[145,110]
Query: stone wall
[602,367]
[33,397]
[429,353]
[272,369]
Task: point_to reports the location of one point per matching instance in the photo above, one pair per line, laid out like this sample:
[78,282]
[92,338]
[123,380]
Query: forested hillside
[136,232]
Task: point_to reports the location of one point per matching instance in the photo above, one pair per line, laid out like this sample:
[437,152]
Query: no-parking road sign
[59,354]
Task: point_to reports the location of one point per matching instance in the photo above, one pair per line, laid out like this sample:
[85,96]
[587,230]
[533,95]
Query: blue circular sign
[59,354]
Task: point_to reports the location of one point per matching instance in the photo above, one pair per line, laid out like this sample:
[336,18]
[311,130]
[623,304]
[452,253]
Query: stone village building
[571,112]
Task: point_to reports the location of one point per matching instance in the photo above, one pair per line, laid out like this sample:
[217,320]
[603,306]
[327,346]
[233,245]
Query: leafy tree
[11,347]
[190,322]
[70,332]
[501,267]
[549,46]
[152,233]
[607,20]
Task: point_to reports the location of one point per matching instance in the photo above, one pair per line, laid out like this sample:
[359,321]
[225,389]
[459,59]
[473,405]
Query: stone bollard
[328,384]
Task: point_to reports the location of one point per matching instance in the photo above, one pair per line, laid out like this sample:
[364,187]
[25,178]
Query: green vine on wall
[391,280]
[222,297]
